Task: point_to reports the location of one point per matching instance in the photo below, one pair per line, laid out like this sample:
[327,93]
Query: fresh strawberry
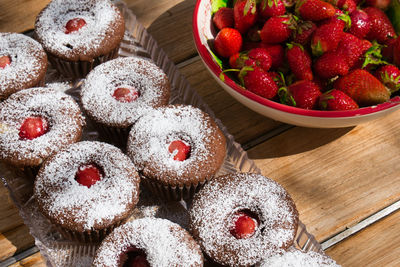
[277,52]
[271,8]
[277,29]
[346,5]
[258,81]
[352,49]
[180,150]
[340,17]
[4,61]
[255,57]
[125,95]
[360,24]
[245,14]
[336,100]
[303,32]
[244,225]
[301,94]
[381,28]
[88,174]
[314,10]
[389,75]
[363,87]
[326,38]
[330,65]
[74,25]
[228,42]
[381,4]
[299,61]
[223,18]
[261,58]
[33,127]
[235,60]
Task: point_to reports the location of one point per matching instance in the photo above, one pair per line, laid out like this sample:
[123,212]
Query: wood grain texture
[377,245]
[336,176]
[14,241]
[19,15]
[35,260]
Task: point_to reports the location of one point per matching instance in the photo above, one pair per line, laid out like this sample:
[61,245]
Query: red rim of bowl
[213,66]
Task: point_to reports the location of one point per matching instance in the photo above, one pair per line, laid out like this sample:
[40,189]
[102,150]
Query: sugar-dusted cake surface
[213,213]
[131,72]
[28,63]
[77,207]
[61,112]
[297,258]
[163,242]
[151,136]
[102,33]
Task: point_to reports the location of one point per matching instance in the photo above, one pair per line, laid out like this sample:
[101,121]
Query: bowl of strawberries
[312,63]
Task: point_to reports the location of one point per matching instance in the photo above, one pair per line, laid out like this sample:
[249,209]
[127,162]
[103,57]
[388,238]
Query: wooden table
[345,182]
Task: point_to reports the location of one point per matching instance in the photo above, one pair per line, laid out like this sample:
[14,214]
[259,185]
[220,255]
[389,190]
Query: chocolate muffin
[79,34]
[116,93]
[87,189]
[34,124]
[297,258]
[240,219]
[176,148]
[149,242]
[23,63]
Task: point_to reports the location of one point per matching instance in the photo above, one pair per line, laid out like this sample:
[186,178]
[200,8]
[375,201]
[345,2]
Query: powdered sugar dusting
[28,61]
[141,74]
[165,244]
[296,258]
[104,203]
[50,25]
[61,112]
[212,214]
[152,134]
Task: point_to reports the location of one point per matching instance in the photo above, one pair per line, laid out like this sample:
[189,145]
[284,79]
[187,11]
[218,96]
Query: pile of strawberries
[311,54]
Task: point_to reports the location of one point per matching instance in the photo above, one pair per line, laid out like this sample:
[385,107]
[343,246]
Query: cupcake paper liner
[79,69]
[171,193]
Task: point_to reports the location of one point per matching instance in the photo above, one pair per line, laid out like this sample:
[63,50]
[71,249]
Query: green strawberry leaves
[217,4]
[373,56]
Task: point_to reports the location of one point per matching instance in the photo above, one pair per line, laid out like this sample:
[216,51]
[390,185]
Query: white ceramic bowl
[203,30]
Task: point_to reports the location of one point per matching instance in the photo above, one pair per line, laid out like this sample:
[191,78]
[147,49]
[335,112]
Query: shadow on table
[297,140]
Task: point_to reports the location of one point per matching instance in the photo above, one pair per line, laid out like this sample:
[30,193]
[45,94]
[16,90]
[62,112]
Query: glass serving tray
[58,251]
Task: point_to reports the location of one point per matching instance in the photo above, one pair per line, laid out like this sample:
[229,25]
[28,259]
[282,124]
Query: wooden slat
[14,241]
[19,15]
[35,260]
[336,176]
[9,215]
[223,105]
[14,235]
[377,245]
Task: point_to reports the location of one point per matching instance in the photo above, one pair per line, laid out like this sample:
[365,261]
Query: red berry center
[136,258]
[33,127]
[244,224]
[4,61]
[179,149]
[74,25]
[126,95]
[88,174]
